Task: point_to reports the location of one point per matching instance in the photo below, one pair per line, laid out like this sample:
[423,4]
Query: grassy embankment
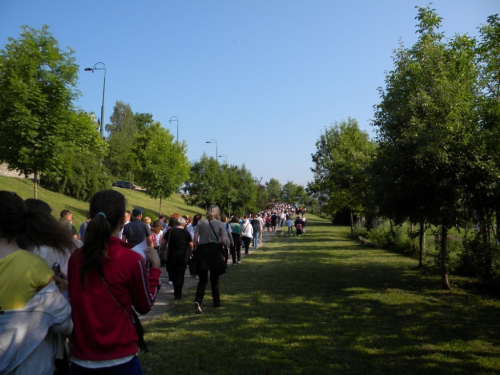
[322,304]
[58,202]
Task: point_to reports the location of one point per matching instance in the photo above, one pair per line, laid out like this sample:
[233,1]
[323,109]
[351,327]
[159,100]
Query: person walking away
[290,225]
[105,280]
[298,226]
[209,236]
[157,234]
[304,222]
[138,233]
[246,233]
[236,245]
[256,231]
[33,312]
[229,237]
[179,248]
[83,227]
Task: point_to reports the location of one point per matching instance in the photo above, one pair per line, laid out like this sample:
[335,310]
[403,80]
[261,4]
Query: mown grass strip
[322,304]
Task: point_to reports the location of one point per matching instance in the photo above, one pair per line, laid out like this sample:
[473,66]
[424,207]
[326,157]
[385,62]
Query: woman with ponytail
[33,311]
[105,279]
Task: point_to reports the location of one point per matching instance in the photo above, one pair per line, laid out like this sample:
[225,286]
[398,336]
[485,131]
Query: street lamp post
[94,68]
[214,141]
[174,118]
[224,156]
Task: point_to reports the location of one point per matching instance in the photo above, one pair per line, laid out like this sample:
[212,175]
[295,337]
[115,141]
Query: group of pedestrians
[57,283]
[87,293]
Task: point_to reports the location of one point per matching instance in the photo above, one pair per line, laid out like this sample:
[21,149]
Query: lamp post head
[89,70]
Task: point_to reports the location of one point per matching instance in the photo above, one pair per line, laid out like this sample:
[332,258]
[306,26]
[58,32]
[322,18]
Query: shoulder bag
[134,319]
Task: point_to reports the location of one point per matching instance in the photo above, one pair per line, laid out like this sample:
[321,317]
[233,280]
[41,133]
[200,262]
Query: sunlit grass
[321,304]
[58,202]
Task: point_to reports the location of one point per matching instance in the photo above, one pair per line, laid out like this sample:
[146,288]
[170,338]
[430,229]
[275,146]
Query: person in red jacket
[105,278]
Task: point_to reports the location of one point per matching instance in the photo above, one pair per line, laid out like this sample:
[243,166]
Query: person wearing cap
[137,231]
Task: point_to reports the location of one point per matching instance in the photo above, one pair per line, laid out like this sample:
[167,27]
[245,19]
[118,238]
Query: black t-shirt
[178,245]
[136,231]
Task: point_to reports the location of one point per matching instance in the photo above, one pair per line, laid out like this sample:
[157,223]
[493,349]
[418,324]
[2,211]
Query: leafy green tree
[274,190]
[425,124]
[122,130]
[204,186]
[340,179]
[37,88]
[161,165]
[82,172]
[143,121]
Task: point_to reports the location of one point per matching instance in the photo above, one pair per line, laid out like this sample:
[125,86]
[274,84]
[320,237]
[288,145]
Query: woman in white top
[246,233]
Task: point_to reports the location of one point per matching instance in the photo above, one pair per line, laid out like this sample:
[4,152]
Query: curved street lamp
[94,68]
[174,118]
[214,141]
[224,156]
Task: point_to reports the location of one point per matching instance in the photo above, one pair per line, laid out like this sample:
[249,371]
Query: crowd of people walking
[58,283]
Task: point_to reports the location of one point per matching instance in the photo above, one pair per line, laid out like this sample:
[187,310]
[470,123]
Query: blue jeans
[255,238]
[133,367]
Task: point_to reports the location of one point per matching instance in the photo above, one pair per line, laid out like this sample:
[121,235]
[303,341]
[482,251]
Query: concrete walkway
[166,293]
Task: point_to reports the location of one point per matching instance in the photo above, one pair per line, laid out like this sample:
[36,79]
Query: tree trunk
[392,227]
[159,211]
[35,185]
[421,242]
[444,257]
[498,225]
[352,222]
[412,239]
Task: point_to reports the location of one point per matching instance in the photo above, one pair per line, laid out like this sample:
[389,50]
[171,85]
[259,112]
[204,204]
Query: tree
[161,165]
[82,172]
[122,131]
[204,186]
[273,189]
[37,87]
[343,154]
[425,124]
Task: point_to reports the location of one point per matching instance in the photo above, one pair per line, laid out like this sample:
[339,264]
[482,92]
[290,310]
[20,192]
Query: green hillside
[24,188]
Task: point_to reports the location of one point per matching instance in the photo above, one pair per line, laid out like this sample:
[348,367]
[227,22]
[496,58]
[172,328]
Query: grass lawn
[58,202]
[322,304]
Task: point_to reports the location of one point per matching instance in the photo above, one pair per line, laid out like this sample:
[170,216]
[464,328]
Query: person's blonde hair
[213,212]
[147,220]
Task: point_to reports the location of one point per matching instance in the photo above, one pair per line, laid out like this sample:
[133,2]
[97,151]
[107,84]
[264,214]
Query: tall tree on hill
[161,165]
[37,88]
[425,122]
[122,130]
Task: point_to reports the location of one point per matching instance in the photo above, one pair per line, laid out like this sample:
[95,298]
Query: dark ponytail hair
[30,228]
[107,208]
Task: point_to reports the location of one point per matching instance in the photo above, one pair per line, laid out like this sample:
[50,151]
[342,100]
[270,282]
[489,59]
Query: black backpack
[255,224]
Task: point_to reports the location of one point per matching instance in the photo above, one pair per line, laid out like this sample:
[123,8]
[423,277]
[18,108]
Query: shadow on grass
[328,311]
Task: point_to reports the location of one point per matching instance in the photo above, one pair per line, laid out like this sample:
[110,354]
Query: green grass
[321,304]
[24,188]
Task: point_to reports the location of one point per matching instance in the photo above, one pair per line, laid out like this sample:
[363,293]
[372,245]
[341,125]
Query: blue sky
[262,77]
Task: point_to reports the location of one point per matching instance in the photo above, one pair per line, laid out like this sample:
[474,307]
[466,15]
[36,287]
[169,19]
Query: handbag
[134,319]
[164,250]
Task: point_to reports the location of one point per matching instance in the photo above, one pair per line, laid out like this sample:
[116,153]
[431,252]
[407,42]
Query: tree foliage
[160,164]
[37,87]
[343,154]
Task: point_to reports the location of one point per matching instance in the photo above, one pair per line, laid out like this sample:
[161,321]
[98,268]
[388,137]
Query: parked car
[123,184]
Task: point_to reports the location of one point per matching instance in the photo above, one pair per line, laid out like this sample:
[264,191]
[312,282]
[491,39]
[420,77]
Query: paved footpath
[166,293]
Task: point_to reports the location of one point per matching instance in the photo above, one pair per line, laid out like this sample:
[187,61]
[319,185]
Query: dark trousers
[246,241]
[176,273]
[202,285]
[236,248]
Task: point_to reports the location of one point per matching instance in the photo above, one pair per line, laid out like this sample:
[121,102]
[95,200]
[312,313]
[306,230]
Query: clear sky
[261,77]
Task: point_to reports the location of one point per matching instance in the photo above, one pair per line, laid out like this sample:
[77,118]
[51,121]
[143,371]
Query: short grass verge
[322,304]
